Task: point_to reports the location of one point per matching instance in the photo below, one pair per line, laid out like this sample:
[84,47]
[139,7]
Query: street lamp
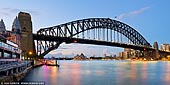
[30,53]
[144,49]
[23,55]
[29,57]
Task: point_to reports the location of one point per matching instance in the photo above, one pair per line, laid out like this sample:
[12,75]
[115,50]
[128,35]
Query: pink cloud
[10,11]
[132,13]
[136,12]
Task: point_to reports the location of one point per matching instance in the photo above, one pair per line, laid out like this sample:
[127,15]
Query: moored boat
[51,62]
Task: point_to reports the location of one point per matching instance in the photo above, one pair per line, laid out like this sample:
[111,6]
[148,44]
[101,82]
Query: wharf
[51,62]
[14,70]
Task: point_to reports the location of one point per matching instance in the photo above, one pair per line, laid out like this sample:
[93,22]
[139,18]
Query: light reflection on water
[103,73]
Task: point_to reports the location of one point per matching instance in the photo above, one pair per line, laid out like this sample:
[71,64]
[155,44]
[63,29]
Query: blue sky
[148,17]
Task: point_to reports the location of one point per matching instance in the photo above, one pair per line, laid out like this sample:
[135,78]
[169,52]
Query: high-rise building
[130,53]
[126,55]
[121,54]
[165,47]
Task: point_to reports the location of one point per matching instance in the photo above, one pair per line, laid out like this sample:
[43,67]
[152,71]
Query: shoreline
[16,77]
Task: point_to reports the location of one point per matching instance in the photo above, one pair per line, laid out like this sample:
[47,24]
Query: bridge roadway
[89,41]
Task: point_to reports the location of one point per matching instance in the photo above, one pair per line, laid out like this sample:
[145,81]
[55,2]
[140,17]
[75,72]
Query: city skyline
[150,18]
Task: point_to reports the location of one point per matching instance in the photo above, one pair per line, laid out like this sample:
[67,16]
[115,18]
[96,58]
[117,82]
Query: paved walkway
[10,65]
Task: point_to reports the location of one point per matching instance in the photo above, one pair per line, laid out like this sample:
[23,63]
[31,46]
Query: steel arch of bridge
[73,28]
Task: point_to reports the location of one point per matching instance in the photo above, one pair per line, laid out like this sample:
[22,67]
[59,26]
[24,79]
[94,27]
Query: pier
[14,70]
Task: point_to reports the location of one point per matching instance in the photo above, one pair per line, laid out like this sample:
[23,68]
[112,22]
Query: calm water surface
[103,73]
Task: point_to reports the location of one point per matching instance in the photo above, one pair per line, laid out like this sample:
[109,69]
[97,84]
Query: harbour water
[103,73]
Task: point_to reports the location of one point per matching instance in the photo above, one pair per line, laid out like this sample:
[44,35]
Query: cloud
[8,11]
[63,48]
[54,55]
[70,50]
[94,46]
[132,13]
[60,54]
[11,11]
[136,12]
[108,52]
[4,13]
[33,12]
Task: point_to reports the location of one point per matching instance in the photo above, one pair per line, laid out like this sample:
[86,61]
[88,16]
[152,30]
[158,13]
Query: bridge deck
[88,41]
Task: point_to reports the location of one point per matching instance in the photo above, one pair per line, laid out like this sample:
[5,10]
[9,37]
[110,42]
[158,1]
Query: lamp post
[24,55]
[15,55]
[30,53]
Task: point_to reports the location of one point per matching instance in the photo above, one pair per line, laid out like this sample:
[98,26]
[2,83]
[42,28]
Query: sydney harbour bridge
[98,31]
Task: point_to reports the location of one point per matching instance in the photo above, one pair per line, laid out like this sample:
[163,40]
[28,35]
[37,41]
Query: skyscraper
[165,47]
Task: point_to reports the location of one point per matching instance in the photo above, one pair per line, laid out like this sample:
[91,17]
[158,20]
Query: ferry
[51,62]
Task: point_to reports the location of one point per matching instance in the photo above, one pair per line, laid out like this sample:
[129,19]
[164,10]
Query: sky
[149,17]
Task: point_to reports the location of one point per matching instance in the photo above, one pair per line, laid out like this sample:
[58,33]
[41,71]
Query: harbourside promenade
[14,70]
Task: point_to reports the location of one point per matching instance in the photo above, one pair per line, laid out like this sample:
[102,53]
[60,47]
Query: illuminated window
[14,56]
[0,54]
[6,55]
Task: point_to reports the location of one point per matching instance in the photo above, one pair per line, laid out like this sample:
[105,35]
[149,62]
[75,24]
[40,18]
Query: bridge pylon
[155,45]
[27,43]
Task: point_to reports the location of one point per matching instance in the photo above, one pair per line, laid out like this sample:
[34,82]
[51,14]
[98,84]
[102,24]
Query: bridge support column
[155,45]
[152,55]
[27,43]
[157,54]
[145,54]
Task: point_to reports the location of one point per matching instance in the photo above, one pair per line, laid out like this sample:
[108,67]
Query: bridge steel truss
[100,27]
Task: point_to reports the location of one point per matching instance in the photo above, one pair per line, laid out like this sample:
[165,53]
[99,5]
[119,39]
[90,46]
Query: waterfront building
[109,57]
[126,55]
[2,27]
[80,57]
[121,55]
[15,34]
[165,47]
[129,53]
[21,33]
[9,42]
[9,50]
[16,26]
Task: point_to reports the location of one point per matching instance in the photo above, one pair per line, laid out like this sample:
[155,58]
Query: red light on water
[75,41]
